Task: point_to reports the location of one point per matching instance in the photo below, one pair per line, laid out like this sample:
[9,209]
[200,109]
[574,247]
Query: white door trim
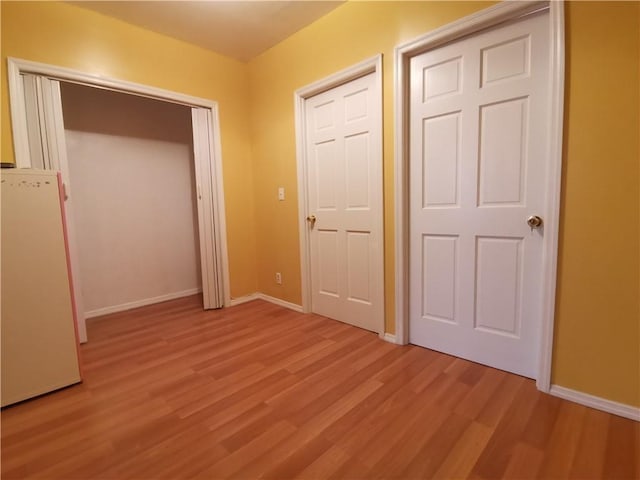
[371,65]
[212,192]
[490,17]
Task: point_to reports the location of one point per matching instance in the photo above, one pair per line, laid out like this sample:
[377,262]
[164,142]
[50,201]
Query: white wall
[132,184]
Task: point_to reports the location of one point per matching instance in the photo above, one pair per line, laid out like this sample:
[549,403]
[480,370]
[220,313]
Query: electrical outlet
[278,278]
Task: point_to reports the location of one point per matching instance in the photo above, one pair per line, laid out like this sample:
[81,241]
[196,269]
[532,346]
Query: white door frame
[210,189]
[490,17]
[371,65]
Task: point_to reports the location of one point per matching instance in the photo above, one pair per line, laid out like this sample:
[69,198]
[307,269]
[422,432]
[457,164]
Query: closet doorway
[40,142]
[134,198]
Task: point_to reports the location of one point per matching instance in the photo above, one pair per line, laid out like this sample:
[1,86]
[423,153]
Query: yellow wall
[69,36]
[598,312]
[597,336]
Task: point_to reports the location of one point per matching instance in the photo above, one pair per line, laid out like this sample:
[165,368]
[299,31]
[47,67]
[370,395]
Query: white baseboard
[282,303]
[388,337]
[266,298]
[140,303]
[241,300]
[598,403]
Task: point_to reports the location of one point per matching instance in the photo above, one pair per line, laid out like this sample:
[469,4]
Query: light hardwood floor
[258,391]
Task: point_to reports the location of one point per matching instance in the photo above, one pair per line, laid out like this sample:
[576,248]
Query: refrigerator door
[39,340]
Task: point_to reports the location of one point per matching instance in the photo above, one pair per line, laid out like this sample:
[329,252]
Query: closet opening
[133,189]
[101,141]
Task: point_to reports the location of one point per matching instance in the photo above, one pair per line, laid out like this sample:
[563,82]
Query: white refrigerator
[40,349]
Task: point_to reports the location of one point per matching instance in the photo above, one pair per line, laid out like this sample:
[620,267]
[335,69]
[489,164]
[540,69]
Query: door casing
[371,65]
[493,16]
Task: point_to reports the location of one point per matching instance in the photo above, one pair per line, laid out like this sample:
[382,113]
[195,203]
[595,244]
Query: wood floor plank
[258,414]
[259,445]
[308,433]
[465,452]
[75,434]
[187,462]
[217,390]
[172,391]
[370,431]
[588,462]
[563,441]
[410,445]
[494,459]
[540,426]
[352,469]
[37,411]
[501,400]
[434,452]
[412,361]
[480,393]
[427,376]
[525,462]
[623,444]
[358,418]
[159,456]
[326,464]
[395,428]
[243,401]
[298,460]
[67,465]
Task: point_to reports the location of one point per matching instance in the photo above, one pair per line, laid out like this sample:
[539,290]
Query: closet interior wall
[134,203]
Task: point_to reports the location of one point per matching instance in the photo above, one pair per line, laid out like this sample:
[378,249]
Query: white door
[478,138]
[344,198]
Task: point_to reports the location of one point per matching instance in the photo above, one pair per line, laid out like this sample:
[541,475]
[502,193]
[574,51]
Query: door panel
[45,128]
[357,158]
[441,152]
[505,60]
[343,150]
[439,255]
[327,246]
[503,139]
[498,270]
[358,267]
[210,240]
[477,135]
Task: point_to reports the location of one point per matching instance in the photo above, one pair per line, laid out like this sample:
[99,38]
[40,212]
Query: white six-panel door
[344,171]
[477,172]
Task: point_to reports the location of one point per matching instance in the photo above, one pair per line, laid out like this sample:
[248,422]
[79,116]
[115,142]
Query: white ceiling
[239,29]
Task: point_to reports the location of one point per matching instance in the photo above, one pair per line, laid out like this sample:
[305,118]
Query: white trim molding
[267,298]
[388,337]
[277,301]
[244,299]
[503,12]
[140,303]
[599,403]
[371,65]
[17,65]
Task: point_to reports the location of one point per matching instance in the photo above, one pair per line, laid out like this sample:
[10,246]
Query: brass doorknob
[311,219]
[534,221]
